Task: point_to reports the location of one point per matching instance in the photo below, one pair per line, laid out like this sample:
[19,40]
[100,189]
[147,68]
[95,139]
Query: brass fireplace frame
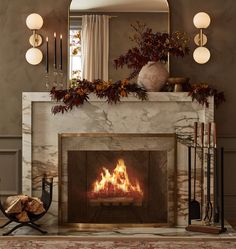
[89,226]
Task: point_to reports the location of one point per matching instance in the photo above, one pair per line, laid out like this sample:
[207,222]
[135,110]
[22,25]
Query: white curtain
[95,47]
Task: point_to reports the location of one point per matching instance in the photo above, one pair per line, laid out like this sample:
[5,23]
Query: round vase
[153,76]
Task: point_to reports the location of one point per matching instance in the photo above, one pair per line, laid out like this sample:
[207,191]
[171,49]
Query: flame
[116,184]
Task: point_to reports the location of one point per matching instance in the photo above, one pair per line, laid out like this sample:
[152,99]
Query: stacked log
[21,206]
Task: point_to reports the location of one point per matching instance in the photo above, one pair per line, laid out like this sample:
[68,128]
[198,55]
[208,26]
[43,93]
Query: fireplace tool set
[205,207]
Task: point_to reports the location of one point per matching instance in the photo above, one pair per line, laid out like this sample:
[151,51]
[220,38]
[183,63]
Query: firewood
[19,205]
[115,201]
[23,216]
[13,205]
[23,198]
[34,206]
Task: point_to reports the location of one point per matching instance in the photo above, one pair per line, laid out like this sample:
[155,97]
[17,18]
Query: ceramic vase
[153,76]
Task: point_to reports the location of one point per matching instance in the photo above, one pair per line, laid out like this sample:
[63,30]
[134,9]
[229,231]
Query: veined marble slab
[161,113]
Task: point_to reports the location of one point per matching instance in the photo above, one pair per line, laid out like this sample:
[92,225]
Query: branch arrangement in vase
[151,46]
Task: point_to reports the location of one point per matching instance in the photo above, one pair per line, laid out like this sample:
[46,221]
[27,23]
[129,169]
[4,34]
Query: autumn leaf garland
[78,94]
[200,92]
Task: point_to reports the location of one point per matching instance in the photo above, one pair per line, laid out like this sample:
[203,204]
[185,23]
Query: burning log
[115,201]
[115,188]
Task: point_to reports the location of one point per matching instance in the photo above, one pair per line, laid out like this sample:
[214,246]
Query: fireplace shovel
[194,211]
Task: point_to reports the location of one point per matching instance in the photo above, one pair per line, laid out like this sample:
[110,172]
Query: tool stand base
[205,229]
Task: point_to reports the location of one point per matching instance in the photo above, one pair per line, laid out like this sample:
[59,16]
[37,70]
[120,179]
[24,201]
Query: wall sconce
[201,54]
[34,55]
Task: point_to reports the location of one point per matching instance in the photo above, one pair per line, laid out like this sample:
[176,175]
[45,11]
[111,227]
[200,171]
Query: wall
[18,76]
[10,161]
[219,71]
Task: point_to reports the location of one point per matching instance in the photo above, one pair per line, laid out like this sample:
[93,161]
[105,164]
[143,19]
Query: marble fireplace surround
[162,113]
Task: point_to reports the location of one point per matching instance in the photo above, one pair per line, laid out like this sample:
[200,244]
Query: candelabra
[56,78]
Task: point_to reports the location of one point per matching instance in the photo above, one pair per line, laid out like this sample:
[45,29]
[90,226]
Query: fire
[116,184]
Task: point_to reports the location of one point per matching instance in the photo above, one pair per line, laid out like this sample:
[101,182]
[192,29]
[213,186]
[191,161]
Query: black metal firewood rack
[46,198]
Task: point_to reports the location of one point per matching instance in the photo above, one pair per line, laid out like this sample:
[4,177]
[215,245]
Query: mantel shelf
[152,96]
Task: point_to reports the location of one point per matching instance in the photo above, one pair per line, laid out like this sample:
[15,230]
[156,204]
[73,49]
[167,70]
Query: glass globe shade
[201,20]
[201,55]
[34,21]
[34,56]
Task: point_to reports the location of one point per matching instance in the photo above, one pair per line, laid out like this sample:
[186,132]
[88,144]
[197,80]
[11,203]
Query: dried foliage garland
[79,92]
[200,92]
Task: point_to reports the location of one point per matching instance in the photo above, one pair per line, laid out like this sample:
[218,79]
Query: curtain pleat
[95,47]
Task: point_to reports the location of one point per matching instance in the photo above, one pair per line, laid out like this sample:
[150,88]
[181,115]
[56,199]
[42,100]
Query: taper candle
[214,134]
[61,51]
[47,54]
[55,50]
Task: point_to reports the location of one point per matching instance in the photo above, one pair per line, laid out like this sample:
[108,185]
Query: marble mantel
[161,113]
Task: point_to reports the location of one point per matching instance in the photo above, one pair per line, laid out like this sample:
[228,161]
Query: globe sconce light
[201,54]
[34,55]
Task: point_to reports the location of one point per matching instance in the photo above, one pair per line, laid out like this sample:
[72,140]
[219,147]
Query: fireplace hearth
[117,178]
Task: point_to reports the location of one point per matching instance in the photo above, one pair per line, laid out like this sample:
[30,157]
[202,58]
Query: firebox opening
[111,187]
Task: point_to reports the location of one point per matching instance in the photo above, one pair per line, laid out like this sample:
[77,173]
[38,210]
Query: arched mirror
[100,31]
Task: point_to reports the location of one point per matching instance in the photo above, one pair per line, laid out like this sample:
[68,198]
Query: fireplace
[117,178]
[163,113]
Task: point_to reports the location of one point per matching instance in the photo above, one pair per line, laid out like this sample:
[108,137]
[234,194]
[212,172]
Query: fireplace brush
[209,208]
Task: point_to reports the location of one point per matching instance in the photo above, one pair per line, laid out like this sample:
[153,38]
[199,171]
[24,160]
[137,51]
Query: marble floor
[124,232]
[119,238]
